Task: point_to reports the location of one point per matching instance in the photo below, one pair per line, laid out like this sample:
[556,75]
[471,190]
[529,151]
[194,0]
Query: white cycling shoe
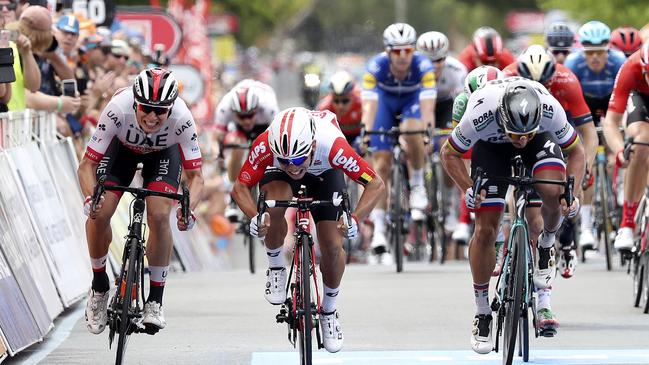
[418,203]
[624,239]
[153,316]
[275,291]
[97,311]
[481,339]
[587,239]
[545,266]
[332,334]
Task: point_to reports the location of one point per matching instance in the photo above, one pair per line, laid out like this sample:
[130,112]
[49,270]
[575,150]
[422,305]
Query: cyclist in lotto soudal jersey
[509,117]
[306,148]
[398,82]
[630,94]
[596,66]
[537,64]
[344,100]
[144,124]
[486,49]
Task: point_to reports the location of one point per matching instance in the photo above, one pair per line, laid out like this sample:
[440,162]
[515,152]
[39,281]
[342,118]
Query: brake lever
[477,183]
[569,188]
[184,204]
[261,207]
[98,193]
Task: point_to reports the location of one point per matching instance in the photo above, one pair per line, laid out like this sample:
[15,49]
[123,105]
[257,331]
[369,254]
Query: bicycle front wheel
[514,294]
[397,216]
[251,251]
[607,226]
[304,307]
[126,292]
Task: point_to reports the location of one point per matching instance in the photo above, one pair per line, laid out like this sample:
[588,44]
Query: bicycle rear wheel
[514,295]
[524,339]
[127,298]
[305,303]
[607,226]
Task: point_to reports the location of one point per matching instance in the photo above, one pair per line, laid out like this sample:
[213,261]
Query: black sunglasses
[125,57]
[246,115]
[11,6]
[341,100]
[564,52]
[158,110]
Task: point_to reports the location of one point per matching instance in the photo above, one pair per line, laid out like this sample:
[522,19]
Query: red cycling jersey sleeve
[628,79]
[571,96]
[343,157]
[259,157]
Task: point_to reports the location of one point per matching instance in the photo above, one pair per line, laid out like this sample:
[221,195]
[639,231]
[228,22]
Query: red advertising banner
[156,27]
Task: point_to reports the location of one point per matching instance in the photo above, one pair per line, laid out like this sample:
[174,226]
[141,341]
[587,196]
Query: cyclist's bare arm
[454,166]
[87,175]
[612,133]
[428,111]
[589,138]
[369,198]
[369,113]
[195,183]
[576,166]
[242,195]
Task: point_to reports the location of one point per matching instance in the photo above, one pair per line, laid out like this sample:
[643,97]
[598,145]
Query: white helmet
[479,76]
[399,34]
[244,100]
[433,44]
[536,64]
[341,83]
[291,133]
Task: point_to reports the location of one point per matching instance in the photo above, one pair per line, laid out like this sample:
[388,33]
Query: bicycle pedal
[149,329]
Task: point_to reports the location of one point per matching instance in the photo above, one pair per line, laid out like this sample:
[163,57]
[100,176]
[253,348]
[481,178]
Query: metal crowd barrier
[20,128]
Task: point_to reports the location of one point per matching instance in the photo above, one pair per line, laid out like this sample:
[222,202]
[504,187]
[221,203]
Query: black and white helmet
[519,108]
[156,87]
[399,35]
[559,36]
[535,63]
[433,44]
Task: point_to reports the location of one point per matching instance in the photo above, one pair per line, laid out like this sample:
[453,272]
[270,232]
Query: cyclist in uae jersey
[306,148]
[397,82]
[595,66]
[145,124]
[630,94]
[344,100]
[509,117]
[487,49]
[537,64]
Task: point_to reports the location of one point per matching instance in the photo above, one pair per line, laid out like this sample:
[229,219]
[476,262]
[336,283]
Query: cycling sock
[417,178]
[377,216]
[586,217]
[628,214]
[481,292]
[329,299]
[100,282]
[275,257]
[544,298]
[465,213]
[501,234]
[157,279]
[547,238]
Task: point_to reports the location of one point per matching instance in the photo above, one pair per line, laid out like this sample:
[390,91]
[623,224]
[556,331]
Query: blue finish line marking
[537,357]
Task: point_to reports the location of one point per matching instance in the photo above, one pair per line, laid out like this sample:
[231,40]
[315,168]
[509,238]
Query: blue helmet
[594,34]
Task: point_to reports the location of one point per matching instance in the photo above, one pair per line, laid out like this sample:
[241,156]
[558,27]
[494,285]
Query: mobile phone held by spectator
[69,87]
[6,58]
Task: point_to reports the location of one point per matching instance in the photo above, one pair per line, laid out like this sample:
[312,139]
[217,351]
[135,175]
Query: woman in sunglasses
[145,124]
[344,100]
[505,118]
[303,147]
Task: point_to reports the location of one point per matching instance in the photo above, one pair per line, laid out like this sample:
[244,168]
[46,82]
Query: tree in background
[613,13]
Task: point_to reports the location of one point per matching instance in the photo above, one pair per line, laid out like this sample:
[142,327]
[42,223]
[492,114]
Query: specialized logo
[478,102]
[345,162]
[524,106]
[255,152]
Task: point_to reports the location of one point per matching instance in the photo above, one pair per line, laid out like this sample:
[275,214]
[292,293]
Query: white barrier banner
[71,266]
[17,326]
[26,240]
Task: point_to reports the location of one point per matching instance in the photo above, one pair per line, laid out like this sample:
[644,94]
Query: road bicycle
[438,201]
[301,309]
[515,286]
[126,305]
[399,203]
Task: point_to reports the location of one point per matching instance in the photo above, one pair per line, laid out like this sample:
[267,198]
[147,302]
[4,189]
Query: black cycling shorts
[325,186]
[444,113]
[161,170]
[541,153]
[637,107]
[598,107]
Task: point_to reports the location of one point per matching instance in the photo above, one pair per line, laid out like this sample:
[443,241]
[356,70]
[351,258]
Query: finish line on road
[537,357]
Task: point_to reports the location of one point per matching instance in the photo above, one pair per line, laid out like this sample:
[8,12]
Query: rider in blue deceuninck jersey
[397,82]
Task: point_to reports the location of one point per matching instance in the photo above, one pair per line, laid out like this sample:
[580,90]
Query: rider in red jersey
[486,49]
[345,101]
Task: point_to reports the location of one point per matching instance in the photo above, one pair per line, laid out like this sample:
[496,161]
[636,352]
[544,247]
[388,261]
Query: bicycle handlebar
[142,193]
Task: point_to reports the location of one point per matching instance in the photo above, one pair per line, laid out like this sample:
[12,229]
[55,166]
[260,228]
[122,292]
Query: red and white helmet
[291,133]
[488,44]
[244,100]
[644,57]
[155,87]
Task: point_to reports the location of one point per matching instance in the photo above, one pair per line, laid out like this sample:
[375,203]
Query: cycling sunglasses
[10,7]
[402,51]
[557,52]
[515,137]
[246,115]
[296,161]
[158,110]
[342,101]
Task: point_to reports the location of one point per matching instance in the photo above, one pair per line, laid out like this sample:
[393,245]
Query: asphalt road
[421,316]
